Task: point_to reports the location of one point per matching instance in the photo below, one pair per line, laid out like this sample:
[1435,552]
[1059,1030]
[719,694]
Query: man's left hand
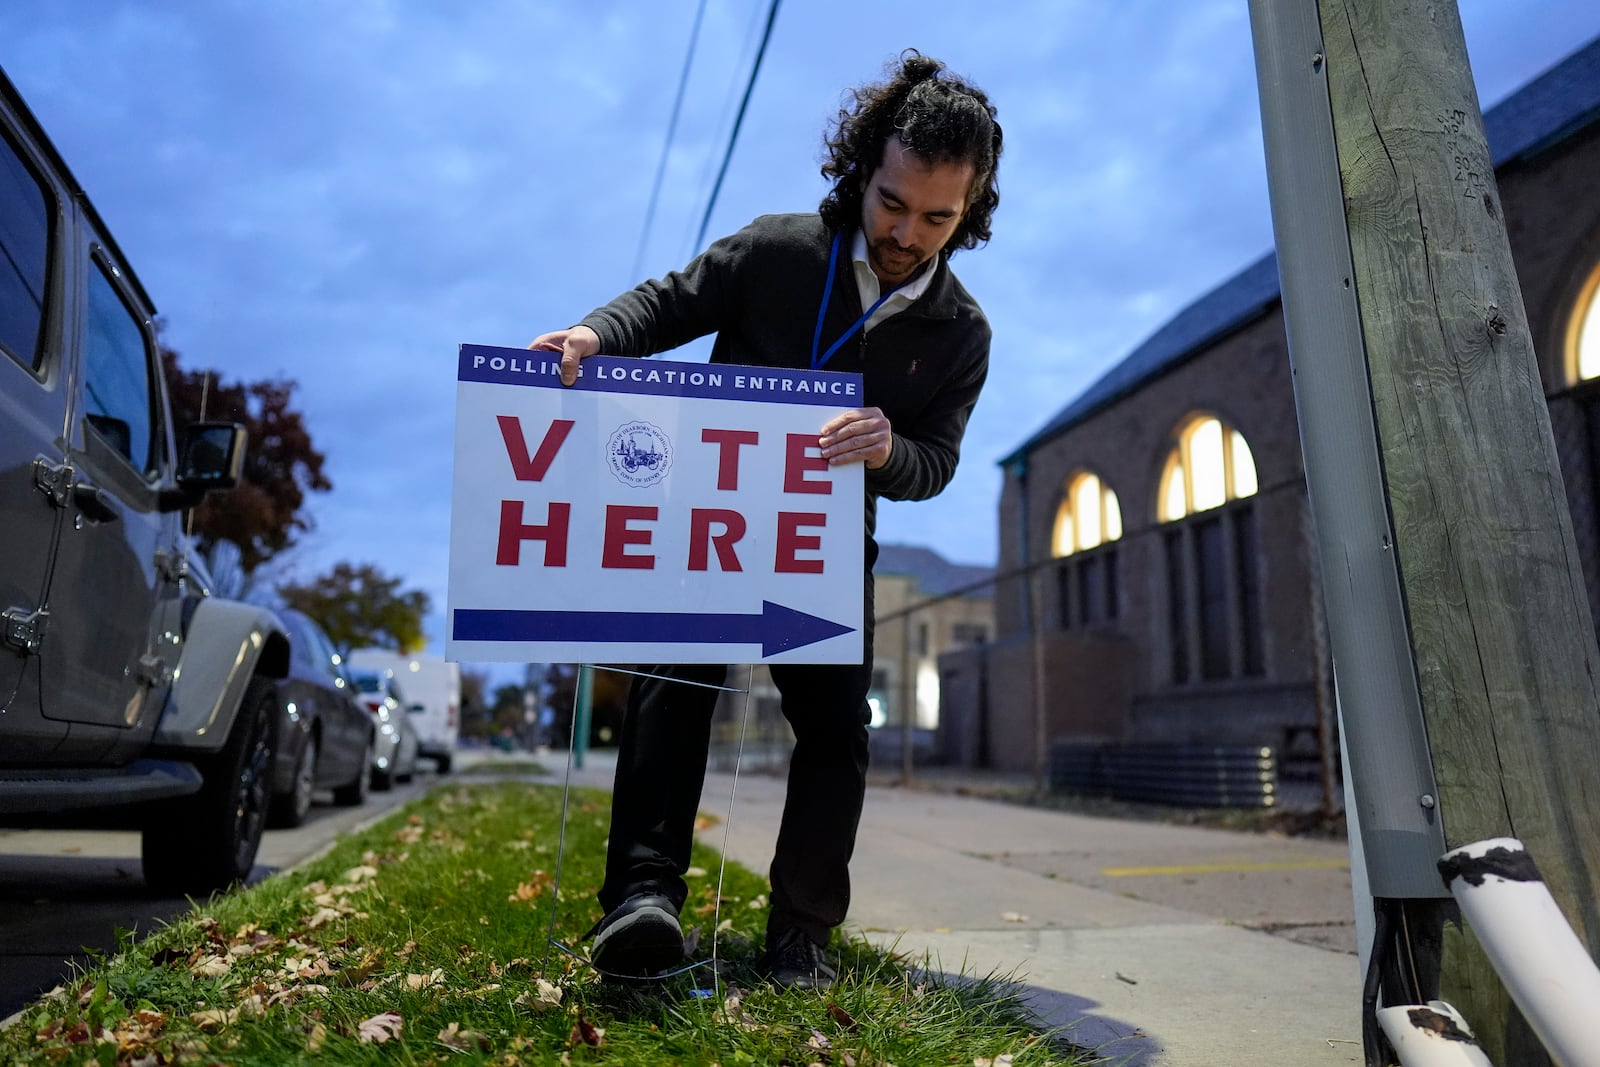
[860,436]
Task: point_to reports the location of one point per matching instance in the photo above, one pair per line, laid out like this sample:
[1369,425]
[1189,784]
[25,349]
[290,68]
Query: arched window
[1087,517]
[1583,332]
[1210,465]
[1088,523]
[1213,559]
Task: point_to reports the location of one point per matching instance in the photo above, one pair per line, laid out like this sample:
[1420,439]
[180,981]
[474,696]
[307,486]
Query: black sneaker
[639,937]
[794,961]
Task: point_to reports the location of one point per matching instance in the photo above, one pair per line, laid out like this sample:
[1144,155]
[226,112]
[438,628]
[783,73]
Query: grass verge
[423,941]
[505,768]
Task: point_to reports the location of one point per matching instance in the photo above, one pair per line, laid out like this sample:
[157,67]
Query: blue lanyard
[827,294]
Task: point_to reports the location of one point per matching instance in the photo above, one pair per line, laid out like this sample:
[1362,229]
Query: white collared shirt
[867,285]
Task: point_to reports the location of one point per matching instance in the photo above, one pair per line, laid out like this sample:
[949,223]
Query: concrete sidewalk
[1158,945]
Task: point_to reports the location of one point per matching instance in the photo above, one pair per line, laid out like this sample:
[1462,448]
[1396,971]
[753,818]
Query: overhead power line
[666,148]
[733,138]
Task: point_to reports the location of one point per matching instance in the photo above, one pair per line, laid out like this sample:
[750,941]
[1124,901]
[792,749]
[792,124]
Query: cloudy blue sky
[342,191]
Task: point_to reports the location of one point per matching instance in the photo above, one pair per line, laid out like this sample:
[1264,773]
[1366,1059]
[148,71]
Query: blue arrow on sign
[777,628]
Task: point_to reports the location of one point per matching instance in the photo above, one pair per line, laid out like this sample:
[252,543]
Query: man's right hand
[580,342]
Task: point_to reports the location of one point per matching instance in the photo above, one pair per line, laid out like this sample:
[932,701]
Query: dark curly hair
[939,117]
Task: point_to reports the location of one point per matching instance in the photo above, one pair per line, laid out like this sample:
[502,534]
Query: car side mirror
[211,459]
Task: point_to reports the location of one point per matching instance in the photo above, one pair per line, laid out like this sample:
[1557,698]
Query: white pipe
[1431,1035]
[1544,966]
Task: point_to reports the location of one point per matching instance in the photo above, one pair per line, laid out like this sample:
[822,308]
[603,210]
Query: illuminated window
[1210,465]
[1213,563]
[1088,516]
[1583,333]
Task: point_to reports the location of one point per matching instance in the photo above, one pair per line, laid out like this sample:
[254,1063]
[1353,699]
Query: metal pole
[582,707]
[907,699]
[1390,768]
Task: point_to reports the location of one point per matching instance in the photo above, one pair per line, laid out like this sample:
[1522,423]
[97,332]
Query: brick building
[1171,493]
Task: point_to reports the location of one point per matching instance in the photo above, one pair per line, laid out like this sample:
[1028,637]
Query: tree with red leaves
[264,515]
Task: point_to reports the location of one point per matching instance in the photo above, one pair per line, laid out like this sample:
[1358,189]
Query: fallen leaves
[418,982]
[211,967]
[585,1032]
[454,1037]
[546,995]
[360,971]
[380,1028]
[732,1012]
[1002,1060]
[529,891]
[1013,917]
[840,1016]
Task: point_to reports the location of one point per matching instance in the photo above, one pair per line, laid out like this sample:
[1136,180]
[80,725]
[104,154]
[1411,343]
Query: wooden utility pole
[1455,599]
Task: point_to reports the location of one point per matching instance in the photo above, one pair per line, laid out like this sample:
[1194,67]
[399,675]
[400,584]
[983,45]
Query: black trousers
[661,769]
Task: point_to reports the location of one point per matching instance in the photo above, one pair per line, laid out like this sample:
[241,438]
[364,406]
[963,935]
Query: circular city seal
[639,454]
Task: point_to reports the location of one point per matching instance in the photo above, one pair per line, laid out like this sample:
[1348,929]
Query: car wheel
[357,791]
[290,808]
[383,780]
[208,842]
[444,763]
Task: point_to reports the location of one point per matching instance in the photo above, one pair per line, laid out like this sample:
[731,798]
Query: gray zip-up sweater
[759,290]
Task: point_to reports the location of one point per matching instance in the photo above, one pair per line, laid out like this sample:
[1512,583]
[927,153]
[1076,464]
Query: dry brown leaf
[457,1038]
[847,1059]
[409,836]
[407,949]
[819,1040]
[733,1013]
[211,967]
[214,1018]
[315,1036]
[840,1016]
[380,1028]
[546,995]
[705,822]
[323,917]
[586,1032]
[1013,917]
[1002,1060]
[416,982]
[359,972]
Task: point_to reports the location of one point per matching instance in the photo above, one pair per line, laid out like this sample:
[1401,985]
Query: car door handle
[93,502]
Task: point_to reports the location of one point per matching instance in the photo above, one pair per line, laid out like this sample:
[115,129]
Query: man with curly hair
[913,169]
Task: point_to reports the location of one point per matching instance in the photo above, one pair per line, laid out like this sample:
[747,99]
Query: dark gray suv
[127,698]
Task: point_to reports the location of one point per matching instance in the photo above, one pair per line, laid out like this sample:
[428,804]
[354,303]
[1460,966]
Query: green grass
[423,941]
[511,767]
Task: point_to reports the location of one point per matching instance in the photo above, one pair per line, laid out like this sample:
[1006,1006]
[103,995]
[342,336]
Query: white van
[433,688]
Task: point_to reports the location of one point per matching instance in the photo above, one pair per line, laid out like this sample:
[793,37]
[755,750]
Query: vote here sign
[652,512]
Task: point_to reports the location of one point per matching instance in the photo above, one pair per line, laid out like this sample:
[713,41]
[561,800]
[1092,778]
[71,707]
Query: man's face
[910,209]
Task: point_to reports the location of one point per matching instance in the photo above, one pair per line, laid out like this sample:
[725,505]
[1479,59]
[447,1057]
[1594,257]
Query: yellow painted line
[1226,868]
